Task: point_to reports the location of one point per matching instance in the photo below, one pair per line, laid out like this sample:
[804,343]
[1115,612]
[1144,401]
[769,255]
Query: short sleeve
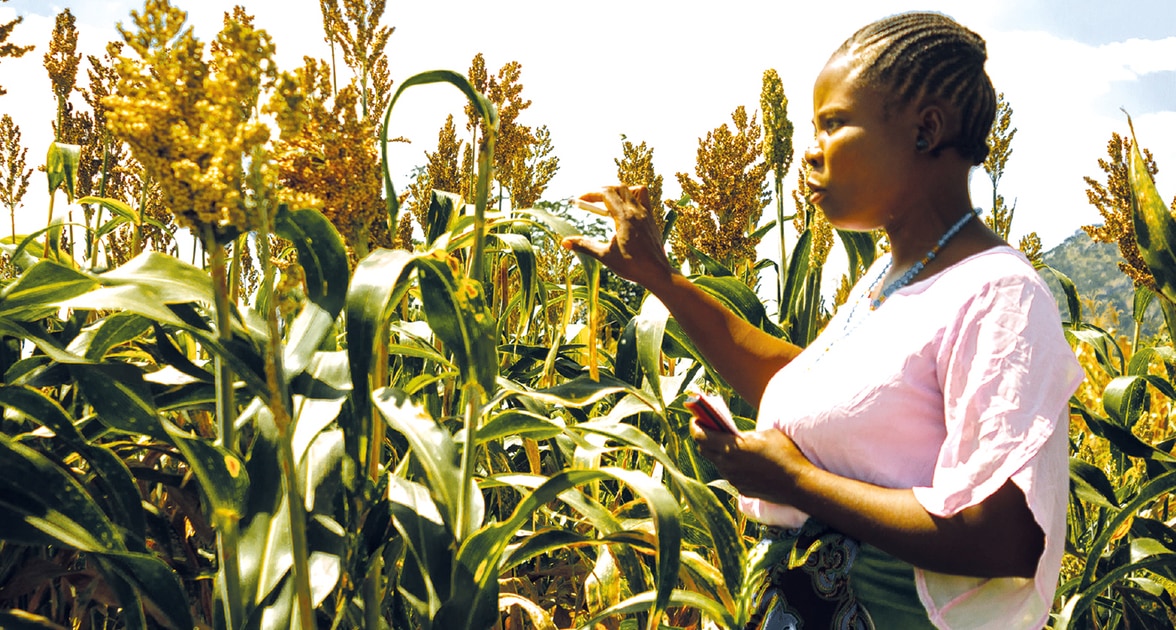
[1007,374]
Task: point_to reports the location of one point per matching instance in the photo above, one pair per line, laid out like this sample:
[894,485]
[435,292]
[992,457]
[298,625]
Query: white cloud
[1142,56]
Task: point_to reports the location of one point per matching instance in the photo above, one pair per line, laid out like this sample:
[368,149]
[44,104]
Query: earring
[921,145]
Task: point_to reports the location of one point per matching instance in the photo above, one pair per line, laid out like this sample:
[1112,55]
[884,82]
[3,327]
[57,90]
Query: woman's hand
[635,252]
[997,537]
[760,464]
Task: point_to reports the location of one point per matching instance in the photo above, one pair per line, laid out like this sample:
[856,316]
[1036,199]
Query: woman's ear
[932,133]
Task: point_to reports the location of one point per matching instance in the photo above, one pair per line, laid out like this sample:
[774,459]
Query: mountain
[1102,287]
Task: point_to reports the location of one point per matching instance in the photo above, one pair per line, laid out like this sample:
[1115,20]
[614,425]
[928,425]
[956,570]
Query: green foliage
[465,435]
[1123,474]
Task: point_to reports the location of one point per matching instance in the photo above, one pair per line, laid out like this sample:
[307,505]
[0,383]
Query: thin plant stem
[280,407]
[379,379]
[473,397]
[372,595]
[782,269]
[299,547]
[137,240]
[235,270]
[227,527]
[91,243]
[49,231]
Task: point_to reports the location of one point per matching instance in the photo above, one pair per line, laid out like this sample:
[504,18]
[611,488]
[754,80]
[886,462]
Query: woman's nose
[812,156]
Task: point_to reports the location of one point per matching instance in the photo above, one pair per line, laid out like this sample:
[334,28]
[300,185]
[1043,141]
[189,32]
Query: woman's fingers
[590,246]
[590,207]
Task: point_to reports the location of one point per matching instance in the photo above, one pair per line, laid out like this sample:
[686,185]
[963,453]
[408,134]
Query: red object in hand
[709,415]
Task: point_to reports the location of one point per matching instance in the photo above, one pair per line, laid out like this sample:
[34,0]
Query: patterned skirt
[824,579]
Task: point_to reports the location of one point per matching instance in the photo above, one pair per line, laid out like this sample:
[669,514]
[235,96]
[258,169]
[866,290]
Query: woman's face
[863,157]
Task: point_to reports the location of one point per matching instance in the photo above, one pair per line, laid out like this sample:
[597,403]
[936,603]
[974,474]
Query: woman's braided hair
[930,56]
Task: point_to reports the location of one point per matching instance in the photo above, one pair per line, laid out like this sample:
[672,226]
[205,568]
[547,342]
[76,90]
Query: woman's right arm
[744,355]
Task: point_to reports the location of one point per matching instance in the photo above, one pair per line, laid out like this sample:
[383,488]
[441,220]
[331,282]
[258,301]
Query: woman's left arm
[997,537]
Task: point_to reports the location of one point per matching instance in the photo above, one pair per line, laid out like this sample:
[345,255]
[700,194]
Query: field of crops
[361,407]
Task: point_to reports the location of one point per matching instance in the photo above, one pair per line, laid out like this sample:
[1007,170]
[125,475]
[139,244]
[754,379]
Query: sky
[668,72]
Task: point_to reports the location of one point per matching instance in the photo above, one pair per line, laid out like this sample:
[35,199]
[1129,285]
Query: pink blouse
[955,385]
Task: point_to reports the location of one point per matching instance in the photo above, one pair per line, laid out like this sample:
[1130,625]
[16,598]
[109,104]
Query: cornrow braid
[930,56]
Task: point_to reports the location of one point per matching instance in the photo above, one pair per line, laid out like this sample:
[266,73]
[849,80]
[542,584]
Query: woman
[921,438]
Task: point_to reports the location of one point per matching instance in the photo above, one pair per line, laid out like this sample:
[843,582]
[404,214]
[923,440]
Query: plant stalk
[281,408]
[300,550]
[48,228]
[782,270]
[137,240]
[473,395]
[226,413]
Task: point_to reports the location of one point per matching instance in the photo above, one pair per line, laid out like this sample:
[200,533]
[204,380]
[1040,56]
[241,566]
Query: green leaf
[1122,438]
[579,392]
[1091,484]
[380,281]
[320,253]
[120,397]
[56,504]
[702,500]
[525,260]
[481,554]
[648,601]
[1142,299]
[1155,229]
[456,310]
[561,228]
[432,447]
[1160,485]
[860,248]
[1071,292]
[514,422]
[798,268]
[110,332]
[443,207]
[21,620]
[61,165]
[123,401]
[126,504]
[429,542]
[651,329]
[483,109]
[741,299]
[39,291]
[324,260]
[124,212]
[713,267]
[1125,399]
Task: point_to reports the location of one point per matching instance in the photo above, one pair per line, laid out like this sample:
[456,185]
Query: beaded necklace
[917,267]
[851,323]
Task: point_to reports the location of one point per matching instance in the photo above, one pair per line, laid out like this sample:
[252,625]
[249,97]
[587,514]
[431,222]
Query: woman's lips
[815,192]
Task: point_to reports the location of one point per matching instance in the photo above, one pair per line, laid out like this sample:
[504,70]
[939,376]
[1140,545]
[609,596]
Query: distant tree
[8,49]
